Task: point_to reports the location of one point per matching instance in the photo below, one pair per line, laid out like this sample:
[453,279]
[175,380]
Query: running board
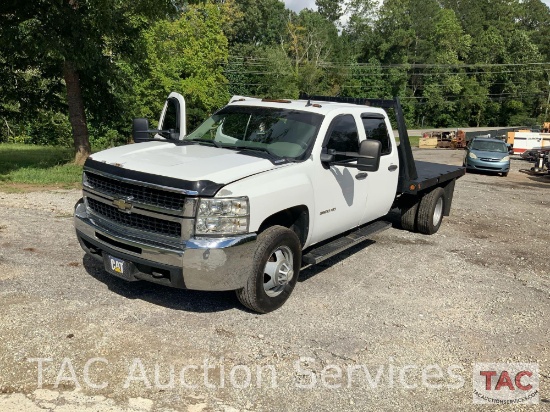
[340,244]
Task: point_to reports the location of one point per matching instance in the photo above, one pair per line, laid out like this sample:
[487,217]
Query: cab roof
[313,106]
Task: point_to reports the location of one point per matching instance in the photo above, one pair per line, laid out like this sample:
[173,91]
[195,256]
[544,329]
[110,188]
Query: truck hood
[190,162]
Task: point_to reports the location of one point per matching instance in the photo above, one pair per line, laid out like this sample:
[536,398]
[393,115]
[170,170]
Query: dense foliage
[73,70]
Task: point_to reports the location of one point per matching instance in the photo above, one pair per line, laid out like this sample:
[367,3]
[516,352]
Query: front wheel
[430,212]
[277,262]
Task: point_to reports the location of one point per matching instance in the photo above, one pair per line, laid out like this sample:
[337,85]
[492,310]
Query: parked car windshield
[487,146]
[281,132]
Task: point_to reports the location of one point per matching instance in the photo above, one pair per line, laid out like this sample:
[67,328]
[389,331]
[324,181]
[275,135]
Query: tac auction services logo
[506,383]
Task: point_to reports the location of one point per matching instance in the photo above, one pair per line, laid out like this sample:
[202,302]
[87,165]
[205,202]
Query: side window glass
[376,129]
[171,116]
[344,136]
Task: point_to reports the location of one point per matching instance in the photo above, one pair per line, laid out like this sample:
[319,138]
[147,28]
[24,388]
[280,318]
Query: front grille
[140,194]
[134,220]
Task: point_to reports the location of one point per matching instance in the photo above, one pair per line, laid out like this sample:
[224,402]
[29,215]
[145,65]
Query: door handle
[361,176]
[392,168]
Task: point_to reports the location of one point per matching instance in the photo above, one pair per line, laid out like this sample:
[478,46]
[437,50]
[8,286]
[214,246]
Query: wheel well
[295,218]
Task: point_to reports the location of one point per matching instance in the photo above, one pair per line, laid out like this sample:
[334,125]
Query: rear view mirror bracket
[141,132]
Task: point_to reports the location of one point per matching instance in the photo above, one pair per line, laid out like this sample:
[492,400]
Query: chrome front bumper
[213,264]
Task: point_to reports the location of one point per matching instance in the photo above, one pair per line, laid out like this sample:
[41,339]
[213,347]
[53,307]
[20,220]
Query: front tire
[276,267]
[430,212]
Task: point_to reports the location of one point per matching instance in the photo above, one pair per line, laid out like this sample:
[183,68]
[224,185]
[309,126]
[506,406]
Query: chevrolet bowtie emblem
[123,204]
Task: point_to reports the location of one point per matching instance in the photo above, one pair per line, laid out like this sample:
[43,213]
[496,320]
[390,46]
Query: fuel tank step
[340,244]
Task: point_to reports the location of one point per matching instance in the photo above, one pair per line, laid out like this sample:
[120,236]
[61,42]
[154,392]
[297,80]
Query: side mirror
[370,152]
[140,130]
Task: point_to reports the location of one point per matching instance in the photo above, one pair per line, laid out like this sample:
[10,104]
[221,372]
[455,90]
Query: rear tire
[409,211]
[276,267]
[430,212]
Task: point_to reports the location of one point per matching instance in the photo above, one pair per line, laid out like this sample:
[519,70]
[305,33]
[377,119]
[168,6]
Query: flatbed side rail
[407,171]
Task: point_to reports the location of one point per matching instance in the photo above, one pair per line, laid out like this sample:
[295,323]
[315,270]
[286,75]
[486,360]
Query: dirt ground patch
[477,291]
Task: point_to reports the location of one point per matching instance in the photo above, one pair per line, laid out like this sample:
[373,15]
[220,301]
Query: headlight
[472,155]
[505,159]
[222,216]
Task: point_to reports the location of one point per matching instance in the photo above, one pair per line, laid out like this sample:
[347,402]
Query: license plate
[118,267]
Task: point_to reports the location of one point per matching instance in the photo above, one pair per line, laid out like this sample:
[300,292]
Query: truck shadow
[177,299]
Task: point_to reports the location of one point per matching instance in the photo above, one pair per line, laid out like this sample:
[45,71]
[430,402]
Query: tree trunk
[77,116]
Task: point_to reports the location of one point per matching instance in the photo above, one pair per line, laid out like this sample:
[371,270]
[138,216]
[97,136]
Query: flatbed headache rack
[411,180]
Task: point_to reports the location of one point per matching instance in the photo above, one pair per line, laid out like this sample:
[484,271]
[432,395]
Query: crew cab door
[173,116]
[340,191]
[382,184]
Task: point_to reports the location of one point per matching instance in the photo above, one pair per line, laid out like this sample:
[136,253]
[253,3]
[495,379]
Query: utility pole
[547,103]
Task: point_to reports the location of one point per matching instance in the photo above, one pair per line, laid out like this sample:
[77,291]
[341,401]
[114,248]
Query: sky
[298,5]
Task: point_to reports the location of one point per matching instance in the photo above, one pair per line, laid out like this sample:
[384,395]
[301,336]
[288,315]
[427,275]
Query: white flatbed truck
[260,190]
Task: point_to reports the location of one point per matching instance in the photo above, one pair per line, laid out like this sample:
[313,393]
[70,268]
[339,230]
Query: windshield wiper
[255,149]
[261,150]
[262,153]
[207,141]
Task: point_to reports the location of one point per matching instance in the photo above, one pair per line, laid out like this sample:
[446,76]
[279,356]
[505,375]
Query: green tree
[331,10]
[186,55]
[536,21]
[78,41]
[311,42]
[279,80]
[262,22]
[366,80]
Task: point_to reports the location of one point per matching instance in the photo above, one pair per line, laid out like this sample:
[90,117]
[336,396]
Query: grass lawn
[415,141]
[30,167]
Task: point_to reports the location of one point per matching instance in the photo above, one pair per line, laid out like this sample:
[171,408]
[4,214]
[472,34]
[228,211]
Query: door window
[344,136]
[375,129]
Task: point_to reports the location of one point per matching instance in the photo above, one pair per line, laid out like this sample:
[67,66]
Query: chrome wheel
[278,271]
[438,211]
[275,270]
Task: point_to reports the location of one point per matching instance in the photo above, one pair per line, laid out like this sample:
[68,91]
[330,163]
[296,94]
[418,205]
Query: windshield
[281,132]
[486,146]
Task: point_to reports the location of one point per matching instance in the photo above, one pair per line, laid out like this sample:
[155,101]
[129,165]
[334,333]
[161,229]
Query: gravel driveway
[395,323]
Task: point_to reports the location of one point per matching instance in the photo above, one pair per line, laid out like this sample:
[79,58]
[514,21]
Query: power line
[253,67]
[365,75]
[405,66]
